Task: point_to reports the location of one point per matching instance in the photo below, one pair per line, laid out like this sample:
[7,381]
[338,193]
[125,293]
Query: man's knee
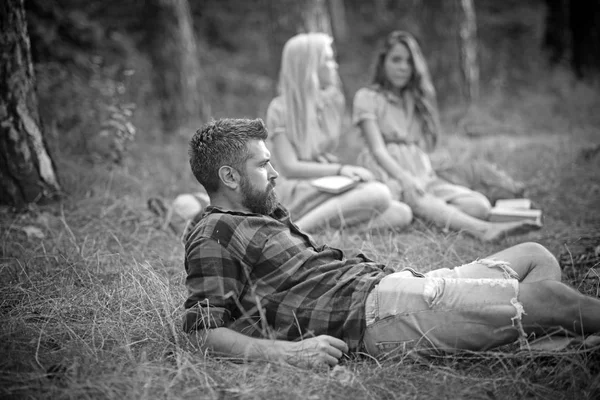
[542,258]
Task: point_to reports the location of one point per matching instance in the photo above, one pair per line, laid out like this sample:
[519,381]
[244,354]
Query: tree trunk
[557,33]
[382,11]
[337,12]
[585,37]
[27,172]
[437,32]
[573,33]
[177,73]
[468,49]
[315,17]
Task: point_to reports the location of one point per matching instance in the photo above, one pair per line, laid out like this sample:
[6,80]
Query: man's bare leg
[550,304]
[531,261]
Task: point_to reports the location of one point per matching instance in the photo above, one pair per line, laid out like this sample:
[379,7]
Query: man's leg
[531,262]
[404,313]
[550,304]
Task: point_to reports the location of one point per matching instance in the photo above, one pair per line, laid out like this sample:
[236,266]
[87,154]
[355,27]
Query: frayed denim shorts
[471,307]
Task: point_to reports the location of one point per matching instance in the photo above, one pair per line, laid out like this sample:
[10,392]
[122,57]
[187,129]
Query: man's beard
[257,201]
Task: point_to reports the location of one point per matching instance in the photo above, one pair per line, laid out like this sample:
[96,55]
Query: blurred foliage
[82,48]
[82,69]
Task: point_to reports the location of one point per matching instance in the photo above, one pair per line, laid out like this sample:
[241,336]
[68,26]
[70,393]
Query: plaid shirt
[261,276]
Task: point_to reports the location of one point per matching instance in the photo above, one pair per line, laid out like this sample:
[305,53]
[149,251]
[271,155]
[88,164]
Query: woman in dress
[397,115]
[305,127]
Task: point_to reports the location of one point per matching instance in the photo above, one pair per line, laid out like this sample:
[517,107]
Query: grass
[91,290]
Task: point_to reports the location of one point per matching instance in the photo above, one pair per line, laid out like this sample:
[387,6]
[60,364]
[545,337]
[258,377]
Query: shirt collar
[280,213]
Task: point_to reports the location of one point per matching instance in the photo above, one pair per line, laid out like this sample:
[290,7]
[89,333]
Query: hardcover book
[506,210]
[515,214]
[523,204]
[334,184]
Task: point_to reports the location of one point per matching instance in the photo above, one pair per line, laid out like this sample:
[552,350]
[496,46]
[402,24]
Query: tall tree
[584,17]
[315,17]
[337,12]
[177,70]
[573,34]
[289,17]
[27,172]
[468,48]
[557,33]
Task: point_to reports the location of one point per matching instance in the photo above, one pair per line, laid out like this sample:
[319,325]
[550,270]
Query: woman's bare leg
[474,204]
[446,216]
[352,207]
[398,215]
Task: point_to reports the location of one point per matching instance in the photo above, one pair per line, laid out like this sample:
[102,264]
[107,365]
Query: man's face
[258,180]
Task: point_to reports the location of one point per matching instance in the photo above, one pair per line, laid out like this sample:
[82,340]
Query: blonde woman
[397,116]
[305,126]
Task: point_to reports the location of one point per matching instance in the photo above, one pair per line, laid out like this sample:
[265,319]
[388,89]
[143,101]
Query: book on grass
[507,215]
[334,184]
[507,210]
[521,204]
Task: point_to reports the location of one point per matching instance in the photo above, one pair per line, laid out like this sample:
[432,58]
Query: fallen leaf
[33,232]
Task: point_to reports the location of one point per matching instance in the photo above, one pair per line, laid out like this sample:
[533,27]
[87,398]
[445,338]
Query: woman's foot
[499,230]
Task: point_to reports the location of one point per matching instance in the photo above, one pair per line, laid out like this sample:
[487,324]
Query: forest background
[92,282]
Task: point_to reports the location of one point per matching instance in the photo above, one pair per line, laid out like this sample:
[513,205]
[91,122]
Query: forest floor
[92,289]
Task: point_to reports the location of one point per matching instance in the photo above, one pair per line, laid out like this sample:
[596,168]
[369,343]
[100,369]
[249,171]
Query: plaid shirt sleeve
[214,282]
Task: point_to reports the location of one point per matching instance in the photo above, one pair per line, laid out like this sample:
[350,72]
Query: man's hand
[309,353]
[315,352]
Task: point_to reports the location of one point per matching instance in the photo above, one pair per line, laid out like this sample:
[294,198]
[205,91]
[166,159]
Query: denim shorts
[471,307]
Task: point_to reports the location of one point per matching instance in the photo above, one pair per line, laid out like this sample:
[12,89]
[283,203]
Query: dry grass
[90,300]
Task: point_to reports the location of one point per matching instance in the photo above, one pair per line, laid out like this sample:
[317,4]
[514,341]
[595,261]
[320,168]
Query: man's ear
[229,176]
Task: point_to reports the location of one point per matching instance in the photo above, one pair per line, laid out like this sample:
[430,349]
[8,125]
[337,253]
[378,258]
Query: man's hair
[222,142]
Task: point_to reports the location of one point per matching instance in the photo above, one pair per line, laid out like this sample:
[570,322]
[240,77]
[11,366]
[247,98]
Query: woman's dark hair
[419,86]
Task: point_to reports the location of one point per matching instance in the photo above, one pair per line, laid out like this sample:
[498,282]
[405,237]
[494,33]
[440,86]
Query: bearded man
[260,288]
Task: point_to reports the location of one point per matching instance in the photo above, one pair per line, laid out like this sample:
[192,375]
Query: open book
[506,210]
[334,184]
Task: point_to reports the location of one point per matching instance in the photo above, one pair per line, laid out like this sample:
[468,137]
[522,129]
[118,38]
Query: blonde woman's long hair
[299,85]
[420,85]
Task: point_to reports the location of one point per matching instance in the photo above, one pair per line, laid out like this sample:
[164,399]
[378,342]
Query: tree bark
[585,37]
[339,24]
[177,72]
[557,32]
[27,172]
[315,17]
[468,48]
[573,33]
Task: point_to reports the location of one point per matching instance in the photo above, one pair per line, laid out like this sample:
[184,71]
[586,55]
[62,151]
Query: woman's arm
[377,147]
[313,352]
[287,163]
[290,166]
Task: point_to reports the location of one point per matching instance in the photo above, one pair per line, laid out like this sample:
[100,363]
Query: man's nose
[273,174]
